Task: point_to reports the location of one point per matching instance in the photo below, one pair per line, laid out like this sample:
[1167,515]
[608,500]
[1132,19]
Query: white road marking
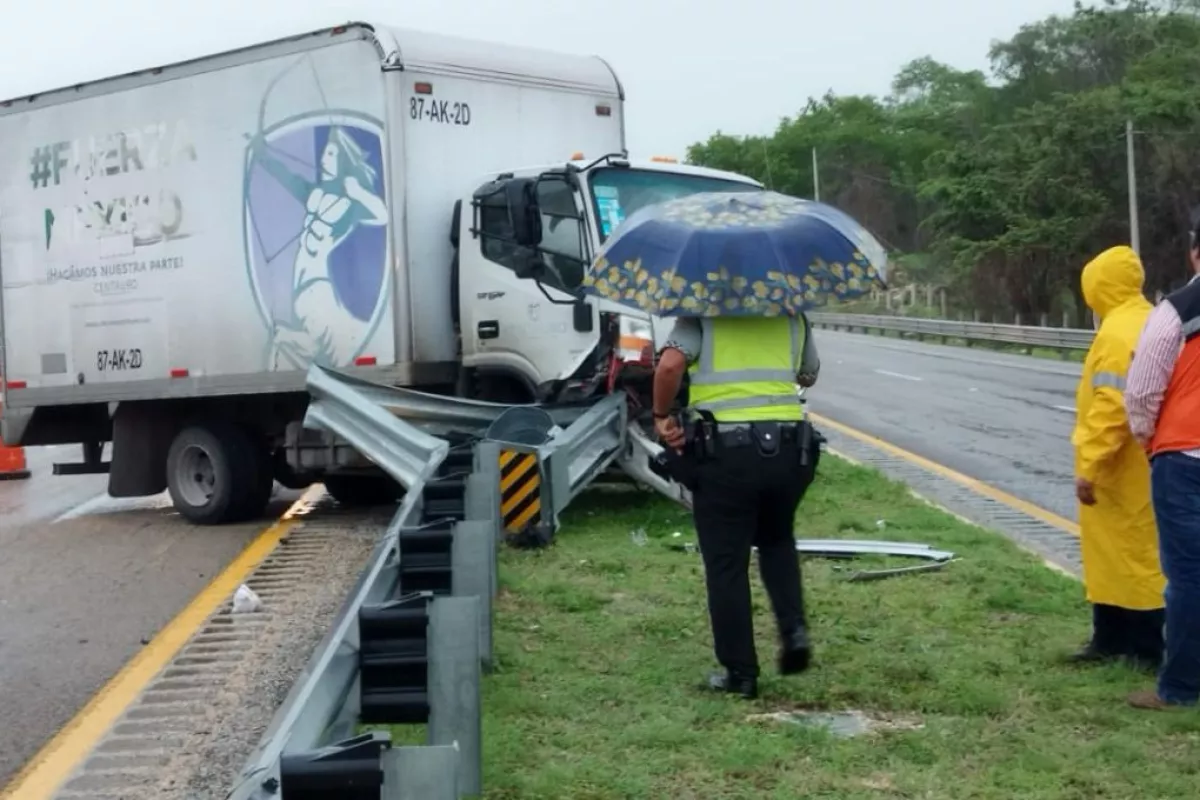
[899,375]
[103,504]
[1068,409]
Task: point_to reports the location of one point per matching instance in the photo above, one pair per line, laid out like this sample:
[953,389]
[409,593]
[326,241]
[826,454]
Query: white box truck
[178,245]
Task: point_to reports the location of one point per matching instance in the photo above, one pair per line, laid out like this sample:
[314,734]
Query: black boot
[795,652]
[1105,644]
[1090,654]
[744,686]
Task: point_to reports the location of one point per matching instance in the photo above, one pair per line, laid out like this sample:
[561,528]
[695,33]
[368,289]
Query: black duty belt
[741,434]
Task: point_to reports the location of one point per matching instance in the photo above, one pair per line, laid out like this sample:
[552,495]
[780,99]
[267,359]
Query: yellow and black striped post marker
[520,490]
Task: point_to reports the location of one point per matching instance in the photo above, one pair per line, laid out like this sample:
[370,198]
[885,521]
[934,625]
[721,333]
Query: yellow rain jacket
[1119,538]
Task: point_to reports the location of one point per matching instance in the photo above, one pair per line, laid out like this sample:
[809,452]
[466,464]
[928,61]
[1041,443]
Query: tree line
[1001,187]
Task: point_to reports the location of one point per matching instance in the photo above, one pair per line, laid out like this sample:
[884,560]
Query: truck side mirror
[583,317]
[526,215]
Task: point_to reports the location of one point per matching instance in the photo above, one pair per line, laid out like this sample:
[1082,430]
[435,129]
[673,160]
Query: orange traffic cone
[12,462]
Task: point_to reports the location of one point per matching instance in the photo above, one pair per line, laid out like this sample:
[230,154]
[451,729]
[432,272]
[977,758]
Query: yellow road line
[1045,561]
[45,773]
[974,485]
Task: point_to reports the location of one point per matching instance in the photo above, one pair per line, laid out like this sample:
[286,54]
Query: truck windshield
[619,192]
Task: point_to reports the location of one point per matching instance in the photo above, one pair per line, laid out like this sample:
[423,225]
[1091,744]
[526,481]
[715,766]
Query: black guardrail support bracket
[348,770]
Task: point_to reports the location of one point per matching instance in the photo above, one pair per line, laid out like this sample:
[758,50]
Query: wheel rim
[195,476]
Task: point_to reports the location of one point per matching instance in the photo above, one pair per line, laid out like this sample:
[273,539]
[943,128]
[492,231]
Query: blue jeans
[1175,484]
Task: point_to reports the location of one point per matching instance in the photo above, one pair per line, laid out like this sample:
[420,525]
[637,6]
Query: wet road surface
[85,580]
[1003,419]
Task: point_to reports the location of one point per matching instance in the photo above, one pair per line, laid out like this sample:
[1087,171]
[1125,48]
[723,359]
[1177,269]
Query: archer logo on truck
[317,244]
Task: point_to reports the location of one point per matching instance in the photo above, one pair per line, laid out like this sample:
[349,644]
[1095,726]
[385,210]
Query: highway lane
[1002,419]
[85,581]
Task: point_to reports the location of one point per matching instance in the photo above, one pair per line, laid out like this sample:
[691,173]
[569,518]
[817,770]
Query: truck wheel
[363,490]
[211,473]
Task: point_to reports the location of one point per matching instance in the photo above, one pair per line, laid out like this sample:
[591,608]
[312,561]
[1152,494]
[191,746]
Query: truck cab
[523,241]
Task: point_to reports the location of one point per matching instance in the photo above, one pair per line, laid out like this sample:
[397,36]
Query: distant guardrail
[1027,335]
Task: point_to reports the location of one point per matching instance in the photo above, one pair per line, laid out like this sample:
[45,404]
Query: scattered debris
[842,724]
[638,537]
[878,574]
[848,548]
[851,548]
[245,601]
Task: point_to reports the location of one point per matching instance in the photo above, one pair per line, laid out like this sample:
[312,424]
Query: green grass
[601,641]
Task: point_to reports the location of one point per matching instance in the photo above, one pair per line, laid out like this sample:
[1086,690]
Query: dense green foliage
[1001,187]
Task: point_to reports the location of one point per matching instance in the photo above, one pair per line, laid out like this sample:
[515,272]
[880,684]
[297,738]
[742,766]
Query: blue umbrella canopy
[755,253]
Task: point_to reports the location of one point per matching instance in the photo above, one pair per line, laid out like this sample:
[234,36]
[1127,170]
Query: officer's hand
[806,380]
[669,432]
[1085,491]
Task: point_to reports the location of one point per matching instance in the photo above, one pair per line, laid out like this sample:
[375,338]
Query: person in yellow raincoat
[1121,570]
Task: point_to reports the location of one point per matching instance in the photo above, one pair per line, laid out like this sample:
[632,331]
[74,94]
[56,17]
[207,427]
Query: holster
[679,467]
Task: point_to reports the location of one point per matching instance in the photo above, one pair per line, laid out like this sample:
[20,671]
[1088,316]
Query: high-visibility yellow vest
[746,371]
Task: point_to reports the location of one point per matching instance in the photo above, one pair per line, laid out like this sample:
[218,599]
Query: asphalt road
[84,581]
[1003,419]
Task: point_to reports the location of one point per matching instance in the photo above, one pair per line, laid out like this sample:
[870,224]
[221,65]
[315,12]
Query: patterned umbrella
[755,253]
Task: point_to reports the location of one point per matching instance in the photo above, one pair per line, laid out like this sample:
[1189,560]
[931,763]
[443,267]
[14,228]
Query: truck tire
[211,473]
[363,490]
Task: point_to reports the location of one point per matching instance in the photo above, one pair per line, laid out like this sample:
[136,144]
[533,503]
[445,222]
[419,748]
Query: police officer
[750,456]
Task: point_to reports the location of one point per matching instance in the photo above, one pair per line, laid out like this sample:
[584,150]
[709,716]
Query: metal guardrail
[1028,335]
[405,452]
[574,457]
[411,641]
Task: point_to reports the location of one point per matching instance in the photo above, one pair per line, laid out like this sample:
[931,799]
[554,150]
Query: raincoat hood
[1112,279]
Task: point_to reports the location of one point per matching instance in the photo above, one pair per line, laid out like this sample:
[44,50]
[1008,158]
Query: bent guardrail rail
[575,456]
[1028,335]
[442,413]
[405,452]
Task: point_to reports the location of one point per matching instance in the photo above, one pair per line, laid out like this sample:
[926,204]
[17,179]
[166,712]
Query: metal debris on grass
[842,724]
[852,548]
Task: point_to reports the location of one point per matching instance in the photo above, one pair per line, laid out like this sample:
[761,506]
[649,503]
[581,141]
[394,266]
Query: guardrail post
[454,678]
[473,555]
[421,773]
[483,487]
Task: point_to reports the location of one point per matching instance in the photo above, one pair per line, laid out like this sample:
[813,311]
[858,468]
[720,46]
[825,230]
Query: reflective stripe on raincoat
[1119,538]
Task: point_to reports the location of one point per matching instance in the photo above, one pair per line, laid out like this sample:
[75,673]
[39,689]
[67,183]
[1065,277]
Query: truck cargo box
[214,226]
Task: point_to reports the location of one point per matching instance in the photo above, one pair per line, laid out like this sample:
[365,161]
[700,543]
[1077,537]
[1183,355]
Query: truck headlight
[636,341]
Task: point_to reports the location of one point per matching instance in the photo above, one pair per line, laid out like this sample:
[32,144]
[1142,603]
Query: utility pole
[816,177]
[1131,170]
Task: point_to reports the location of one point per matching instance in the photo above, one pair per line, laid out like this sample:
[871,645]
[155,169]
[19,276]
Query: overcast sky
[690,67]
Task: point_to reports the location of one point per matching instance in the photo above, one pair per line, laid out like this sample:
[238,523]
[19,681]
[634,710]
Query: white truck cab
[523,242]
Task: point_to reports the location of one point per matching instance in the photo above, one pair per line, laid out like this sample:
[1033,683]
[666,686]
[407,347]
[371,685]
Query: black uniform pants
[1120,631]
[742,499]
